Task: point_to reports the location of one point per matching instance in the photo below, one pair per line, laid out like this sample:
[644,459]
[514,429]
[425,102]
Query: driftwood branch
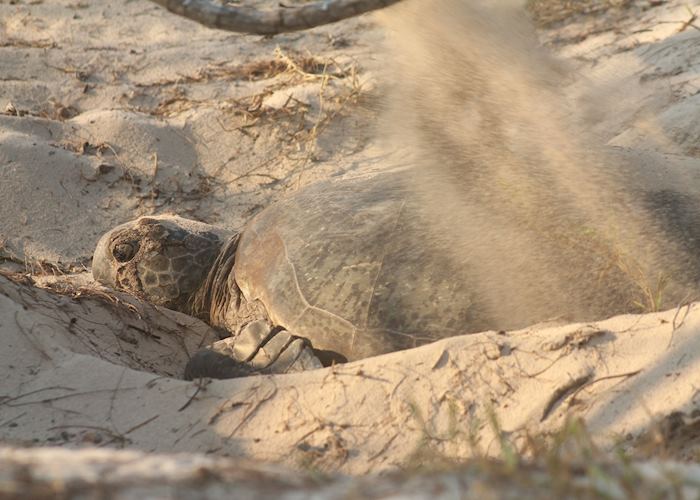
[272,21]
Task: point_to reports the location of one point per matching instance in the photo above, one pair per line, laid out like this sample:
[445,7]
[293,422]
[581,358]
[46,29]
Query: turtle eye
[124,252]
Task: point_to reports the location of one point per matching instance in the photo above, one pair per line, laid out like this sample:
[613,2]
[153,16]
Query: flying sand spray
[542,223]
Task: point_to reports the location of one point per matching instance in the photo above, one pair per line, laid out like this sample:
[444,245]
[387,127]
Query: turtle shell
[344,264]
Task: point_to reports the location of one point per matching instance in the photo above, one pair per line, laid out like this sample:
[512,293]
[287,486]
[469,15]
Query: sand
[112,111]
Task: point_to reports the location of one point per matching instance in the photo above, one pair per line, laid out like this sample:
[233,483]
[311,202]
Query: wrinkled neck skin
[219,291]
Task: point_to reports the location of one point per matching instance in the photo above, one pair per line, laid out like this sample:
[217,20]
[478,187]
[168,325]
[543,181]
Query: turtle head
[162,259]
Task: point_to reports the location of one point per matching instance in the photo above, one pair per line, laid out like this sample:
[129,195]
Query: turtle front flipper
[258,349]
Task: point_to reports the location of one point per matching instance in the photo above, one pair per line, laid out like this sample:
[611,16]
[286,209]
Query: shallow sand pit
[87,383]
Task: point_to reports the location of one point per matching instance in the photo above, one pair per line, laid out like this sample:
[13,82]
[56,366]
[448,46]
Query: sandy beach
[114,110]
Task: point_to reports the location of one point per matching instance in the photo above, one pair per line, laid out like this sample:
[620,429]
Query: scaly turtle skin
[172,262]
[164,259]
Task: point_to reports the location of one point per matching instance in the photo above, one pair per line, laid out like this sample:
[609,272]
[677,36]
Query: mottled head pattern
[162,259]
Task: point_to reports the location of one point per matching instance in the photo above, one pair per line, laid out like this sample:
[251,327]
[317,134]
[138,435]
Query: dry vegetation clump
[283,70]
[11,263]
[550,12]
[565,464]
[295,124]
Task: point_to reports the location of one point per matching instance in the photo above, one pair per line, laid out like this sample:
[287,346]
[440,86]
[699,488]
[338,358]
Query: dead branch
[273,21]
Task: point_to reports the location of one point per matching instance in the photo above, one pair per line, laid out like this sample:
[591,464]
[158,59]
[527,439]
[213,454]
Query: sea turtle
[338,264]
[340,270]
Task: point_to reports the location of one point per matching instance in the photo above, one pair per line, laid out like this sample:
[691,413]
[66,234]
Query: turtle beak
[102,262]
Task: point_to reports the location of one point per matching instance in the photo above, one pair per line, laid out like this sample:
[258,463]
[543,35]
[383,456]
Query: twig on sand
[562,392]
[7,400]
[28,335]
[254,409]
[138,426]
[600,379]
[201,384]
[675,324]
[690,22]
[63,396]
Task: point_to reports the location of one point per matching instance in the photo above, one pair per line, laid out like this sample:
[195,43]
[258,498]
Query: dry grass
[298,125]
[32,267]
[567,463]
[301,66]
[550,12]
[282,70]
